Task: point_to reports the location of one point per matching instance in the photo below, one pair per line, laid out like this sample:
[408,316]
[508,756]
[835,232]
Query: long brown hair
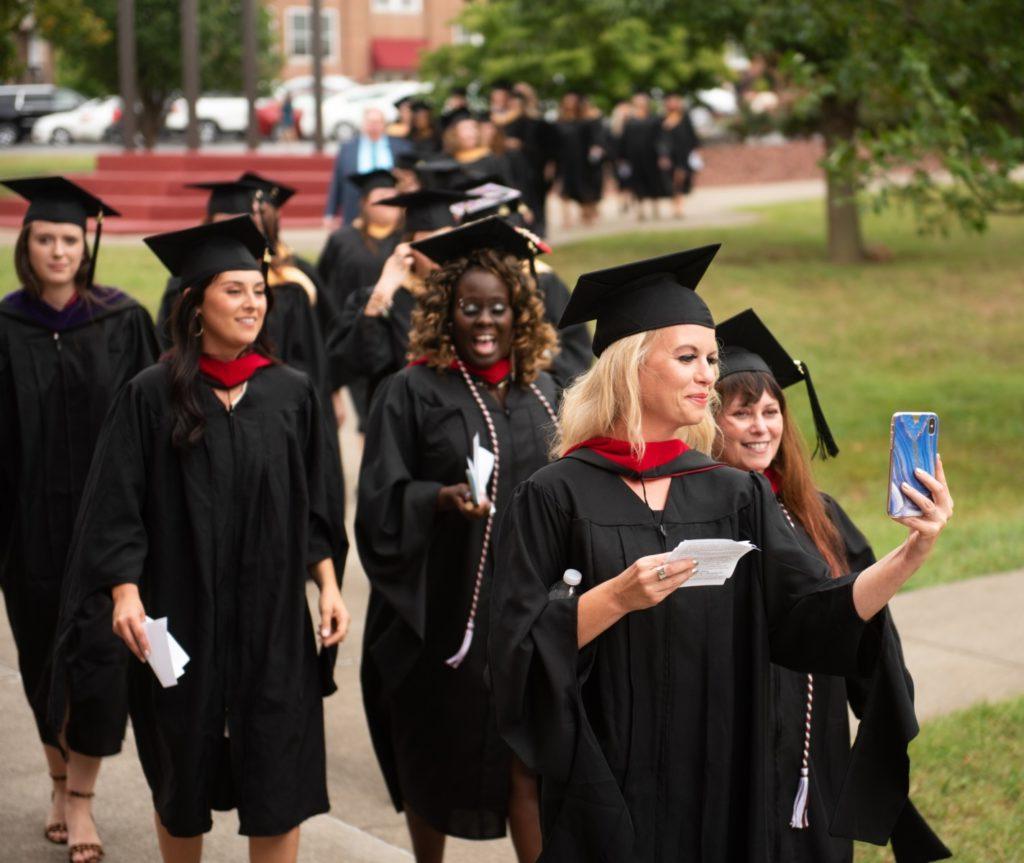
[533,339]
[27,276]
[189,419]
[791,464]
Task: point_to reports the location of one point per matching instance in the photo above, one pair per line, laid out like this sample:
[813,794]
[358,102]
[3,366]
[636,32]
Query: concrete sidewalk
[961,642]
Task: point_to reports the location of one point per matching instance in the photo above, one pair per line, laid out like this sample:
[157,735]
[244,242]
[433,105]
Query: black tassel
[826,444]
[95,249]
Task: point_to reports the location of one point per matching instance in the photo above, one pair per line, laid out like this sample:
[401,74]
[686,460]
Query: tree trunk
[845,241]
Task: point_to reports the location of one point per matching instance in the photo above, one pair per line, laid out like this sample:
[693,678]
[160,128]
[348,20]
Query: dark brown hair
[533,339]
[27,276]
[189,420]
[792,464]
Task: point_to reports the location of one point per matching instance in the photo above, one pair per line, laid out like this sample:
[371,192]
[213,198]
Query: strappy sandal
[53,830]
[93,850]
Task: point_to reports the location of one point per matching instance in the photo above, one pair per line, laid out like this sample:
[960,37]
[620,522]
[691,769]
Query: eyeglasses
[472,309]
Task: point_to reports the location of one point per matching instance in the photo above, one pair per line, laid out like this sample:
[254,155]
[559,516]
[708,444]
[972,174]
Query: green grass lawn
[968,781]
[938,327]
[60,161]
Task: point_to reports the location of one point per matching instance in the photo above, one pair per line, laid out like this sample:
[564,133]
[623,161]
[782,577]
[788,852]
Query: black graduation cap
[420,105]
[427,209]
[749,346]
[57,199]
[197,253]
[370,180]
[274,193]
[645,295]
[457,115]
[228,197]
[502,84]
[405,100]
[492,233]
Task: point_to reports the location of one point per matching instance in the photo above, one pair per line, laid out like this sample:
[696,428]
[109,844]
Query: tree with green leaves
[55,20]
[918,102]
[564,45]
[91,66]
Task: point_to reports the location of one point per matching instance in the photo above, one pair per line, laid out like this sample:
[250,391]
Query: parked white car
[343,113]
[90,121]
[217,115]
[302,85]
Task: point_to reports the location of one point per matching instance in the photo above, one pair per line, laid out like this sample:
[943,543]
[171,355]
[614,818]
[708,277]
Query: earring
[202,329]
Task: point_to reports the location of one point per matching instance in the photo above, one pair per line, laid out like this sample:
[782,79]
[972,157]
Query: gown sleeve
[365,348]
[873,803]
[536,671]
[395,511]
[110,543]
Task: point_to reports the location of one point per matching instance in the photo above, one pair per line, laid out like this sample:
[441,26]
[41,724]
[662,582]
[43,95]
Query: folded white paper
[716,559]
[167,658]
[478,471]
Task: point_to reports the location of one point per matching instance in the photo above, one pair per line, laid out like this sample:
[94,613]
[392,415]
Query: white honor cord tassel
[799,820]
[456,660]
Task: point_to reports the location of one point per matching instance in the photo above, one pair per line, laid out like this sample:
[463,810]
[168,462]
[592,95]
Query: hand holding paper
[478,472]
[716,559]
[167,658]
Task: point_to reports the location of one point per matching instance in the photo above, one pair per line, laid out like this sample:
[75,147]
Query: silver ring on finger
[660,572]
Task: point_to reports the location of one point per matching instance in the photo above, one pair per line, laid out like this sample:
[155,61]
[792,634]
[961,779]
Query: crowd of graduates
[529,664]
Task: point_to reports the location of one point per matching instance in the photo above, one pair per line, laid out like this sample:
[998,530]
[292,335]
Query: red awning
[396,54]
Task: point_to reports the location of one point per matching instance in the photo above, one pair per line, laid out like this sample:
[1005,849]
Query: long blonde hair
[609,393]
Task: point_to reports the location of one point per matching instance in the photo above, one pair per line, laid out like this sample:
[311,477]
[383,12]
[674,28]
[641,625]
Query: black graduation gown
[218,539]
[679,142]
[55,388]
[830,740]
[641,145]
[580,178]
[574,343]
[652,742]
[433,726]
[528,167]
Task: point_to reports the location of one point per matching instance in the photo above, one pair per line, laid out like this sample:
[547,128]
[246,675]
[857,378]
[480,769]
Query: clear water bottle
[566,588]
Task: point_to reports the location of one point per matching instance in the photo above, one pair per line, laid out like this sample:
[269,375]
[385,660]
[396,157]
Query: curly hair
[534,342]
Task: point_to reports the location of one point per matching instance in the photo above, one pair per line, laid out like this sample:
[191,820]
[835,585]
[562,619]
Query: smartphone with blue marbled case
[913,443]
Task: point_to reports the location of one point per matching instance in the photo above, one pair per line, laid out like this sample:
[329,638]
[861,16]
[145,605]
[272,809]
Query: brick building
[365,39]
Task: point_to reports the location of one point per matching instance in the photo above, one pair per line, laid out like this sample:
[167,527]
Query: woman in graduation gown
[424,539]
[375,320]
[207,505]
[66,347]
[809,721]
[642,707]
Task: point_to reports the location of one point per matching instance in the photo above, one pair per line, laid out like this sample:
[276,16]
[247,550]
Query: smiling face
[55,252]
[482,318]
[676,379]
[751,431]
[233,310]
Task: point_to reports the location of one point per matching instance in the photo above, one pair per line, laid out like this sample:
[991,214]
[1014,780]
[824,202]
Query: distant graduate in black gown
[293,326]
[573,355]
[207,504]
[466,141]
[375,321]
[680,144]
[481,341]
[66,347]
[645,709]
[809,720]
[642,147]
[579,163]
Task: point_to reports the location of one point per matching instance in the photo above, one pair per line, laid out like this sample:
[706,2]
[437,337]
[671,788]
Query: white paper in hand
[167,658]
[478,472]
[716,559]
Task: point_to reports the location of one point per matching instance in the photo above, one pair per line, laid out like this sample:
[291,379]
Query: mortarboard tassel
[467,639]
[826,444]
[799,820]
[95,249]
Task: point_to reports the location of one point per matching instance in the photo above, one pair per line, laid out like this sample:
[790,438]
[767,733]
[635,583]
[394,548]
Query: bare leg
[427,843]
[57,767]
[275,849]
[174,849]
[524,812]
[82,773]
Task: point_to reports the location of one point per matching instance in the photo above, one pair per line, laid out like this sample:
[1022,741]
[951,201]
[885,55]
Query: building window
[299,32]
[398,7]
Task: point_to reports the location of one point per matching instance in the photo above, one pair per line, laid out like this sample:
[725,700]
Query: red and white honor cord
[799,820]
[455,660]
